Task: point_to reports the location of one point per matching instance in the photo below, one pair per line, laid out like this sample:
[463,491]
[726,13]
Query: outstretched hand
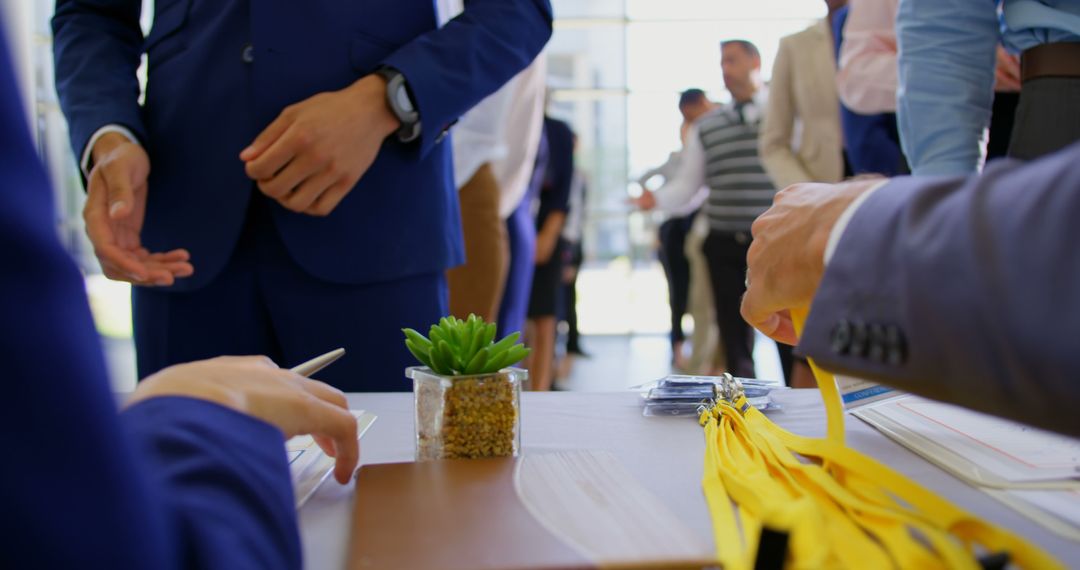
[114,212]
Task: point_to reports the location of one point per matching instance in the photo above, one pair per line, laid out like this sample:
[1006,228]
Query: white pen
[318,363]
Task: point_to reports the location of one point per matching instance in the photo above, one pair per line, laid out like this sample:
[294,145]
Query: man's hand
[313,154]
[1007,76]
[547,239]
[255,386]
[646,201]
[786,259]
[114,210]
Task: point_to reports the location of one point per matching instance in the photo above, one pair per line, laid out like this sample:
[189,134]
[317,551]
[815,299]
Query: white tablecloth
[665,454]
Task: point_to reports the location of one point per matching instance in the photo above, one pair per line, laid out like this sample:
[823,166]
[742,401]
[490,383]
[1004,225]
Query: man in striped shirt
[721,153]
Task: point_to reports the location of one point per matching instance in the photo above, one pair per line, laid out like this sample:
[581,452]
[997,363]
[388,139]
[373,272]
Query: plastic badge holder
[679,395]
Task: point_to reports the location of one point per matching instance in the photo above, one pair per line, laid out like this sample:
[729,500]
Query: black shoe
[576,351]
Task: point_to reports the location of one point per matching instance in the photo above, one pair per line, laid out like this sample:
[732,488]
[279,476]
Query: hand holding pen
[255,386]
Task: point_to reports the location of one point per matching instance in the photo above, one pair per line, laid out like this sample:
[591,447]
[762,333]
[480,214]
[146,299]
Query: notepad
[981,449]
[1035,472]
[310,466]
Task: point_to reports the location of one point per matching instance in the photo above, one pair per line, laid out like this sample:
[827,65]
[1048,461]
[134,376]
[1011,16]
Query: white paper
[1057,511]
[991,450]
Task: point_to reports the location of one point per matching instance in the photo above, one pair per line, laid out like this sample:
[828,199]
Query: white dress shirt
[524,127]
[688,186]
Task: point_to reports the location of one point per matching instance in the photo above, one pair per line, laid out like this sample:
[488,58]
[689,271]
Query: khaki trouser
[477,286]
[707,354]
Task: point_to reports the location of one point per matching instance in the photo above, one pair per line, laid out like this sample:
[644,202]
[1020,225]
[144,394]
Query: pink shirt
[867,75]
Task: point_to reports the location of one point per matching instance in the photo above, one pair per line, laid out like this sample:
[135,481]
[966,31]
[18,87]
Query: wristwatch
[401,104]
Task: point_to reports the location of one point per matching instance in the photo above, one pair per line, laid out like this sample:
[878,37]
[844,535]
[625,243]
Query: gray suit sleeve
[965,290]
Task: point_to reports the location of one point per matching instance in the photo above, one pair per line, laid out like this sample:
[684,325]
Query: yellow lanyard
[840,508]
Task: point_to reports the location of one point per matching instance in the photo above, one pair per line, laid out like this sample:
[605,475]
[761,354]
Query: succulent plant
[455,347]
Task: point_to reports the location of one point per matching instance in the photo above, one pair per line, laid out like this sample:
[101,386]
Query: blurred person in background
[476,286]
[674,231]
[520,174]
[803,103]
[801,139]
[721,152]
[554,203]
[573,256]
[871,141]
[867,80]
[948,75]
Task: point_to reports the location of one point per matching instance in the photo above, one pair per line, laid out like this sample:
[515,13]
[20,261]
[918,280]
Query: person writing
[192,473]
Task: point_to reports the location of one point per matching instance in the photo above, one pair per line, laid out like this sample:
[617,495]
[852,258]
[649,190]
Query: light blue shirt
[946,66]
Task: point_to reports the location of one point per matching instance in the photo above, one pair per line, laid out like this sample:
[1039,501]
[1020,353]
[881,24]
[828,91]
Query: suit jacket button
[860,338]
[897,346]
[841,337]
[247,55]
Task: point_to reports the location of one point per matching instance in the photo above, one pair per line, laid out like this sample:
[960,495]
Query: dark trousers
[726,253]
[1047,118]
[1001,124]
[677,269]
[574,255]
[264,303]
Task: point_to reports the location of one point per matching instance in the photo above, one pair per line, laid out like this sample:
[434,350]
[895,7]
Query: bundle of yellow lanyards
[841,509]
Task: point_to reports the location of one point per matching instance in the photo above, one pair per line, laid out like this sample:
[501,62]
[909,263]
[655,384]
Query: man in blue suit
[963,289]
[193,472]
[284,187]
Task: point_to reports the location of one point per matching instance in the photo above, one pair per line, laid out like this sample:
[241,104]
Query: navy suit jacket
[963,289]
[208,95]
[169,483]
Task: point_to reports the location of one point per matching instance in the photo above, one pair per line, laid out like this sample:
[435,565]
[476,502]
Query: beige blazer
[803,90]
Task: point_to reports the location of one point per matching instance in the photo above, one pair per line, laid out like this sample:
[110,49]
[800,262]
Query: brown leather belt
[1061,59]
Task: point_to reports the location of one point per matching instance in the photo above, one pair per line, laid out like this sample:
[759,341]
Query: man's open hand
[114,211]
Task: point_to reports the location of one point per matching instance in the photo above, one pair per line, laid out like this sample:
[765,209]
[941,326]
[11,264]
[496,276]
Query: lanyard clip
[730,388]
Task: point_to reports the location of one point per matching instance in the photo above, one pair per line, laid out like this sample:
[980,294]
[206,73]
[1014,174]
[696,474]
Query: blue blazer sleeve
[225,482]
[97,46]
[963,290]
[177,483]
[451,69]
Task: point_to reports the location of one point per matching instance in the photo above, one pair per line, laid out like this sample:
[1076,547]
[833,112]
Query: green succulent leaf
[446,355]
[437,363]
[476,365]
[436,334]
[417,339]
[456,347]
[506,342]
[487,334]
[420,353]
